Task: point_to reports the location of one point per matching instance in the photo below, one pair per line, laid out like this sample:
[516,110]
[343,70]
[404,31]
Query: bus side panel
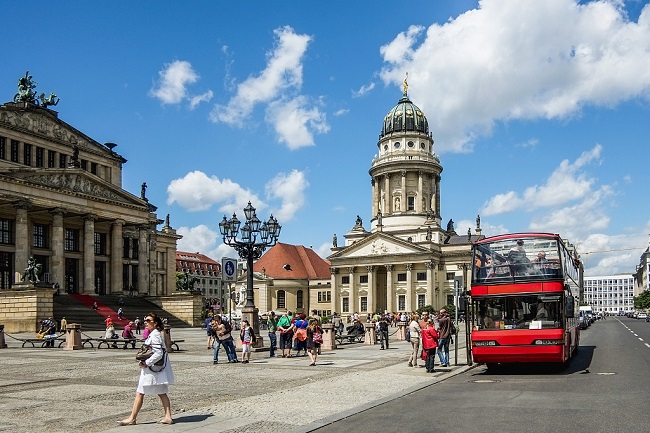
[518,346]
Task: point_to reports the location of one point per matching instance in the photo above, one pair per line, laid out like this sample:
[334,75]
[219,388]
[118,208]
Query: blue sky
[538,108]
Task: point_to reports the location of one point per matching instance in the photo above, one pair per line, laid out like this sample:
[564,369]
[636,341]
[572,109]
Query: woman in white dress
[154,380]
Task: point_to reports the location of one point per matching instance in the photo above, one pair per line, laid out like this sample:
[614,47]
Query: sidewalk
[88,390]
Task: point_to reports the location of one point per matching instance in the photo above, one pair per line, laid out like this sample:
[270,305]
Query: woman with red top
[429,337]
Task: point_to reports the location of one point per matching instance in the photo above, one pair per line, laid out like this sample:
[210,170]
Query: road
[603,389]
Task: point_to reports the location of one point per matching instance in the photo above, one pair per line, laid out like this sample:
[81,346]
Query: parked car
[642,315]
[583,320]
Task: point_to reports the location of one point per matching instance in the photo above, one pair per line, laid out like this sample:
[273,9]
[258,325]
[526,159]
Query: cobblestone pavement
[53,390]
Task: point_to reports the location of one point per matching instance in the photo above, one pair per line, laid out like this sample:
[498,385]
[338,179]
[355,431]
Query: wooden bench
[349,338]
[112,343]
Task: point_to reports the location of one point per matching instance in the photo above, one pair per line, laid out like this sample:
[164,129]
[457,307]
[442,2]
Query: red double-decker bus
[525,288]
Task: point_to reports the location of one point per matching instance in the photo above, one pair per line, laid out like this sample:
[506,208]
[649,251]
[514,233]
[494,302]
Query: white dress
[155,383]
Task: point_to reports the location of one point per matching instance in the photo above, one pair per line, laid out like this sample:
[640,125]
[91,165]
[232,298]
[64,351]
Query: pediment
[379,244]
[44,123]
[77,182]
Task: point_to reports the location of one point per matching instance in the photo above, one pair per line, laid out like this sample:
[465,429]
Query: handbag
[317,337]
[146,351]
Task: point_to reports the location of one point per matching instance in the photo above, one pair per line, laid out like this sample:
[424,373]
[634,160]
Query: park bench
[352,336]
[112,343]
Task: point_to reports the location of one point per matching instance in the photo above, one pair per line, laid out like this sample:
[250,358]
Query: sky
[538,108]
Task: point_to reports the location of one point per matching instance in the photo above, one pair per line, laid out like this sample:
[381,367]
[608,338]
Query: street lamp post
[255,237]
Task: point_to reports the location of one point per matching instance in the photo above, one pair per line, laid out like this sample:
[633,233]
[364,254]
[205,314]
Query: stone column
[73,337]
[419,204]
[388,197]
[337,306]
[371,289]
[22,239]
[329,342]
[390,294]
[143,262]
[401,330]
[115,283]
[354,302]
[89,254]
[371,334]
[58,258]
[430,268]
[437,196]
[410,290]
[375,196]
[404,205]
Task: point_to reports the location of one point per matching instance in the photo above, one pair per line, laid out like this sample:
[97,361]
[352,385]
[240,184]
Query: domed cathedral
[406,260]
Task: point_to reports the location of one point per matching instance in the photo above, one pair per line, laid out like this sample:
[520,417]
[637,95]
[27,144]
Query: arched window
[299,299]
[282,300]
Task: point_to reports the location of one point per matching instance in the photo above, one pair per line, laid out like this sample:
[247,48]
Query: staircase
[78,309]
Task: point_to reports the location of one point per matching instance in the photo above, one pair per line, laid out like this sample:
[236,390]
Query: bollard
[73,337]
[401,327]
[167,337]
[3,345]
[371,334]
[329,342]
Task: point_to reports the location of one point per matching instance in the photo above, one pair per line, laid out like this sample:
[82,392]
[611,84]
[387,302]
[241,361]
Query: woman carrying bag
[154,380]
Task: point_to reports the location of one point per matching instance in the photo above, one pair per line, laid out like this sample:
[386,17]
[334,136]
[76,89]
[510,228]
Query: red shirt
[429,338]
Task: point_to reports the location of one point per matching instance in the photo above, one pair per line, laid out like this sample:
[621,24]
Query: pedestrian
[224,335]
[127,334]
[272,326]
[314,339]
[48,331]
[209,331]
[138,325]
[95,307]
[153,381]
[429,343]
[337,322]
[300,334]
[110,334]
[286,334]
[247,339]
[383,332]
[415,330]
[444,323]
[64,325]
[120,312]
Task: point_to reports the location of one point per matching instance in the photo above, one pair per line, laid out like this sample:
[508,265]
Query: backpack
[227,327]
[452,328]
[252,334]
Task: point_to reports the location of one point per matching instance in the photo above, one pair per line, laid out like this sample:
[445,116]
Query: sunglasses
[148,320]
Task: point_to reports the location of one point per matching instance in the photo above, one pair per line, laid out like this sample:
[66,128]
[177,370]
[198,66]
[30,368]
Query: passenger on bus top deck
[517,253]
[541,312]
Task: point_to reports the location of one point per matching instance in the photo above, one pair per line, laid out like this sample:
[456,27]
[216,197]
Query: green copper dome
[405,117]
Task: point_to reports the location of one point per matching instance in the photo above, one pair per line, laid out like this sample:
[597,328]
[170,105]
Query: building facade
[206,273]
[289,278]
[405,260]
[62,203]
[610,294]
[642,273]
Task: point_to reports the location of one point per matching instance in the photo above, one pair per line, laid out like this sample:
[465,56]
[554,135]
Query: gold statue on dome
[406,85]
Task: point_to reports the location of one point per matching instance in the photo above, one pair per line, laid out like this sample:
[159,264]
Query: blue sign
[229,270]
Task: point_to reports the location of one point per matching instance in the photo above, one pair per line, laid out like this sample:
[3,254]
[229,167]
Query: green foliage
[451,309]
[642,302]
[326,319]
[428,308]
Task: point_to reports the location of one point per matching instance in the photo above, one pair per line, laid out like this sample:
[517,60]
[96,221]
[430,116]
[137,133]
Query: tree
[642,302]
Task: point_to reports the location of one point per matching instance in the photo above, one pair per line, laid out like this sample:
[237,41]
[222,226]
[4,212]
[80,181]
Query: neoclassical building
[406,260]
[62,203]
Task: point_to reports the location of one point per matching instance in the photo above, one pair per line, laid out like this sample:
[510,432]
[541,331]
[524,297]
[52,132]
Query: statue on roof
[450,225]
[51,100]
[74,159]
[406,85]
[334,241]
[167,221]
[478,221]
[143,191]
[26,92]
[359,222]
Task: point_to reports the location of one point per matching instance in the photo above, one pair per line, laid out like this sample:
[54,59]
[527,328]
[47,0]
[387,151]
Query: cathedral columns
[337,302]
[390,294]
[89,255]
[354,299]
[437,183]
[371,289]
[22,239]
[58,260]
[376,205]
[430,274]
[419,207]
[143,262]
[410,290]
[116,257]
[388,196]
[403,199]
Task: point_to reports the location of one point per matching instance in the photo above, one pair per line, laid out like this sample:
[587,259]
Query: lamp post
[255,237]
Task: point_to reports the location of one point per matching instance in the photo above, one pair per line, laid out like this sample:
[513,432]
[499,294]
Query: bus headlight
[548,342]
[484,343]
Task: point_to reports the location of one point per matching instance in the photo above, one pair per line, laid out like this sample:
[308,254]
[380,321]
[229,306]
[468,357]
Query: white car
[642,315]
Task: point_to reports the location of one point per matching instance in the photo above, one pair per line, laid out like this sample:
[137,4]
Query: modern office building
[610,294]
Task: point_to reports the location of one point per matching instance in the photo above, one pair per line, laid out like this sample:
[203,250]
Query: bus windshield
[538,311]
[510,260]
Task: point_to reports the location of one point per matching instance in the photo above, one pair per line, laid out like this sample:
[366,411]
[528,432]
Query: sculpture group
[26,93]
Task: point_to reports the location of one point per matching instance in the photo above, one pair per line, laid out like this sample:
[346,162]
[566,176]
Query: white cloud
[341,112]
[283,71]
[363,90]
[199,239]
[196,100]
[290,189]
[295,122]
[196,192]
[567,183]
[171,89]
[479,68]
[324,250]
